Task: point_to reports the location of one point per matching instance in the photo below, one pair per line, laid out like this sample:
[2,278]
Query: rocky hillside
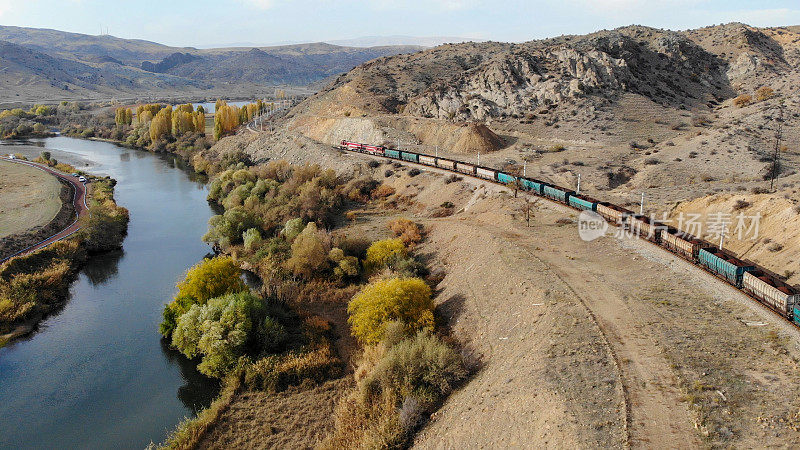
[695,69]
[106,66]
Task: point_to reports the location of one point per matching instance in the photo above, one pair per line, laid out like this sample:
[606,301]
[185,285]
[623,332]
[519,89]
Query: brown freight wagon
[771,292]
[644,227]
[612,213]
[682,243]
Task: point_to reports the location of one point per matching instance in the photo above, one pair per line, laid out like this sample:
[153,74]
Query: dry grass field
[28,198]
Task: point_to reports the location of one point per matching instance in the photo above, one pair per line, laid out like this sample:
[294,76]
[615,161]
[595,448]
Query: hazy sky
[202,23]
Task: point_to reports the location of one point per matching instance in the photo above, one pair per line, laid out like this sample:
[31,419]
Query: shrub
[414,172]
[398,384]
[741,204]
[227,229]
[764,93]
[221,331]
[743,100]
[404,299]
[421,367]
[309,251]
[292,228]
[251,238]
[383,191]
[380,253]
[205,280]
[409,232]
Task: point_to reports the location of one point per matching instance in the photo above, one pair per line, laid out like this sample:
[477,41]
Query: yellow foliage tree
[200,122]
[407,300]
[182,122]
[380,253]
[161,125]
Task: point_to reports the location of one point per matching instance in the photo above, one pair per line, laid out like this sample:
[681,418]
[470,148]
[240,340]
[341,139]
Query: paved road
[78,200]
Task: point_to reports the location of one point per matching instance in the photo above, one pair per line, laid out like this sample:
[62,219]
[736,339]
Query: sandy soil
[607,343]
[28,198]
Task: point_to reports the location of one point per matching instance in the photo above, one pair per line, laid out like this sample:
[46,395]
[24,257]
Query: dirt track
[78,200]
[600,343]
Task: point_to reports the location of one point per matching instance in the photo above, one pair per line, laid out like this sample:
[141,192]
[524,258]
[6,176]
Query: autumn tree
[309,251]
[161,125]
[207,279]
[182,122]
[381,252]
[123,116]
[221,331]
[407,300]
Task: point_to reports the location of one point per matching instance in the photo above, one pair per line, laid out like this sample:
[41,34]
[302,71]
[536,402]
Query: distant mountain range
[50,65]
[374,41]
[365,41]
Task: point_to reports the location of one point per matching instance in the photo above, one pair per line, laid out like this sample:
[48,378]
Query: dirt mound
[477,137]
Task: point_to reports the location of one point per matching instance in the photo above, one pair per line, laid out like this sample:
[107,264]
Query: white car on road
[82,179]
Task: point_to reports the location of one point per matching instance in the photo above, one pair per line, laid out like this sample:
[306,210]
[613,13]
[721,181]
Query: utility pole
[437,151]
[578,191]
[641,205]
[777,155]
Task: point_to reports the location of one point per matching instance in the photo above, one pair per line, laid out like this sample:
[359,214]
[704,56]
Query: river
[96,374]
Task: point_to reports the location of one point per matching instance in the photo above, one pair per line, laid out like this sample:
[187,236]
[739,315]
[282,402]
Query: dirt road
[605,343]
[79,202]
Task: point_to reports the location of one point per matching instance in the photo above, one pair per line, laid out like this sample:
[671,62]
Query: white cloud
[6,5]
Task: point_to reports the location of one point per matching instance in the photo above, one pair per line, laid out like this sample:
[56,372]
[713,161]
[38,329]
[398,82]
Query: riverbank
[36,284]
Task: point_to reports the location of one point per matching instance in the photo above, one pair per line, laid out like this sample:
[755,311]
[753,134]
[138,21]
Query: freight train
[755,281]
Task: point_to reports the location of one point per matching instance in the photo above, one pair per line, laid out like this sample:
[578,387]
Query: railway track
[754,281]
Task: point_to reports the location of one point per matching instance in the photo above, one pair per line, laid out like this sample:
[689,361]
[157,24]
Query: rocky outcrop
[668,69]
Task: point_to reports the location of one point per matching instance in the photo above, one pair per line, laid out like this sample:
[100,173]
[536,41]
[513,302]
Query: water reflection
[104,267]
[199,390]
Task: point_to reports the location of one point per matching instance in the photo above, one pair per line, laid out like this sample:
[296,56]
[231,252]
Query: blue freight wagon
[505,178]
[580,203]
[532,185]
[413,157]
[392,153]
[723,265]
[555,193]
[796,315]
